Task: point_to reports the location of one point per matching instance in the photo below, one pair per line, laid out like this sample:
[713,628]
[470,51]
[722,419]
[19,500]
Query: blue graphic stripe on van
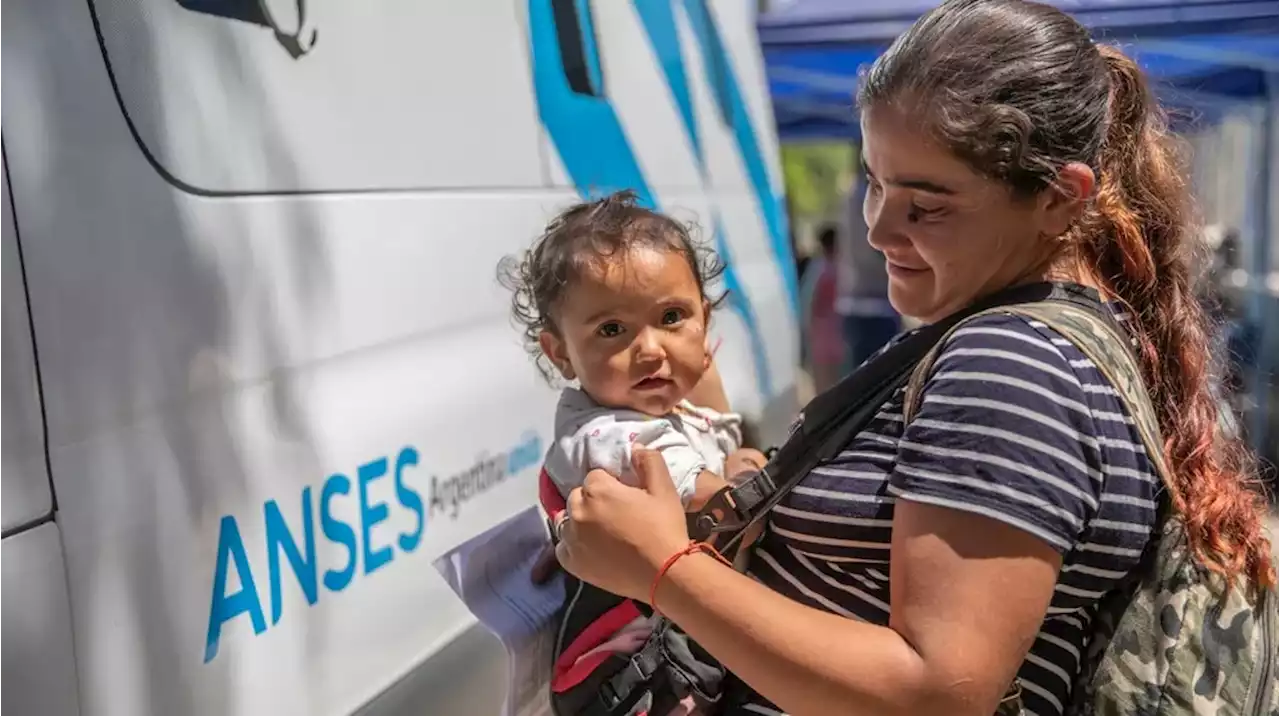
[585,129]
[659,20]
[599,159]
[728,95]
[737,299]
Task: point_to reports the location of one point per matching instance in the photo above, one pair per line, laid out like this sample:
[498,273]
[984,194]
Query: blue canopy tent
[1202,55]
[1199,52]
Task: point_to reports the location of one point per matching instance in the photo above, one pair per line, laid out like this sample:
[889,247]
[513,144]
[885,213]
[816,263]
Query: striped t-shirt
[1015,424]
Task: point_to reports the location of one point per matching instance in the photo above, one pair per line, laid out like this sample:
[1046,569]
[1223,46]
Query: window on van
[579,51]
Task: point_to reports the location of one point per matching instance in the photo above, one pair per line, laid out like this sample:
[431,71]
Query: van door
[39,676]
[279,377]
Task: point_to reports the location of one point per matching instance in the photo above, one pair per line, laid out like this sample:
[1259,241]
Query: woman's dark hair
[581,237]
[1017,90]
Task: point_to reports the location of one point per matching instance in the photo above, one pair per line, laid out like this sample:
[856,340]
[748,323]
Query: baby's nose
[649,346]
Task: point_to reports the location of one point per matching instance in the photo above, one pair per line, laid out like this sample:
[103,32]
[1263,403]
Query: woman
[926,566]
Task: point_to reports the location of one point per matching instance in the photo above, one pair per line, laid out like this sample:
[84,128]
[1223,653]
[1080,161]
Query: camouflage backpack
[1165,641]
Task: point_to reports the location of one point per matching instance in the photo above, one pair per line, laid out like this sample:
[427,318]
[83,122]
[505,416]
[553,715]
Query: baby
[615,297]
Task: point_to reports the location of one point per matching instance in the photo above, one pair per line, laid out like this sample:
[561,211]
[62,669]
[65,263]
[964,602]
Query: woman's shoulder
[1011,330]
[1018,424]
[1017,348]
[1004,351]
[1029,347]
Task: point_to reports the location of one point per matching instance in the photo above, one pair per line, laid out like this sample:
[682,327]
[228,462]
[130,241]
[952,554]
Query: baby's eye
[672,316]
[611,329]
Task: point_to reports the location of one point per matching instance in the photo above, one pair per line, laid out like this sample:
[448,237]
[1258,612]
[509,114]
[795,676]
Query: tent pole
[1261,283]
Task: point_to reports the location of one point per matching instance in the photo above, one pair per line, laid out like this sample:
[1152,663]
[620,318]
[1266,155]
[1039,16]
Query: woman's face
[948,234]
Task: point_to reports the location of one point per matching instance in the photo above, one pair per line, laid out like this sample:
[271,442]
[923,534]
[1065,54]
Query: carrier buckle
[730,509]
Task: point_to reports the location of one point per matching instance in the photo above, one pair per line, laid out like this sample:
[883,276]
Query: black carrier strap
[831,420]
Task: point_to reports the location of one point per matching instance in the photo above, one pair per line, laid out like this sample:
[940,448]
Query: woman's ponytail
[1139,237]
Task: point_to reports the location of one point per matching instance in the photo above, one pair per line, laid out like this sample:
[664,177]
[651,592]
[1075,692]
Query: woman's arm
[709,392]
[969,596]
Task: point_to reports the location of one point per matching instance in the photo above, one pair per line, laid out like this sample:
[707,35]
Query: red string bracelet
[694,546]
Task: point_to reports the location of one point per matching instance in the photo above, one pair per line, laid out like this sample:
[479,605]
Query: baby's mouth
[652,383]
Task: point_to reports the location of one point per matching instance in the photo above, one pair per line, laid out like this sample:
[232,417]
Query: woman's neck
[1067,267]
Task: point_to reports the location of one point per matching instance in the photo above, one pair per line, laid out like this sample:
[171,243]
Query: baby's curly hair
[584,235]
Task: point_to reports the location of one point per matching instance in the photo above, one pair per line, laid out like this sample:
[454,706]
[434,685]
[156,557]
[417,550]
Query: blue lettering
[302,555]
[371,515]
[278,538]
[526,453]
[338,532]
[224,608]
[408,497]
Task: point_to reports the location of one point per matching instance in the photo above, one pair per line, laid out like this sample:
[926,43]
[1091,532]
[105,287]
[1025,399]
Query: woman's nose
[882,231]
[877,236]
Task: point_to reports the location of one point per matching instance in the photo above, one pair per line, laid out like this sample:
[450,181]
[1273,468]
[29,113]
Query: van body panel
[279,374]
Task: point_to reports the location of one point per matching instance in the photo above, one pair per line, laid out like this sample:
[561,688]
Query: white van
[258,372]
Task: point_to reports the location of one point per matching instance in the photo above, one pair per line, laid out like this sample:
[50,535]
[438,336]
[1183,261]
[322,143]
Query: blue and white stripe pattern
[1015,424]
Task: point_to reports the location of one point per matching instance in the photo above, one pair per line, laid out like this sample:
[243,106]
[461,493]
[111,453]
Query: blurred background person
[822,334]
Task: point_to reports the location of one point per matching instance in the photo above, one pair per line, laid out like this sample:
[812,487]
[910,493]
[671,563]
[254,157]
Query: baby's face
[633,331]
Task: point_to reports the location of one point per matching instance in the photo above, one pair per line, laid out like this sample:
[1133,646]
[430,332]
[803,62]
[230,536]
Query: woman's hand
[617,536]
[743,461]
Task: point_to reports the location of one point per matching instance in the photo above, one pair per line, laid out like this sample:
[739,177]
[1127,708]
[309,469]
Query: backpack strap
[1097,335]
[1104,343]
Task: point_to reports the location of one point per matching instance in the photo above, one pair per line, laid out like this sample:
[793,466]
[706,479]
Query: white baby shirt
[590,436]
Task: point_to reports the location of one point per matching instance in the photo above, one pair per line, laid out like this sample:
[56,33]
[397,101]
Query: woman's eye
[918,212]
[672,316]
[611,329]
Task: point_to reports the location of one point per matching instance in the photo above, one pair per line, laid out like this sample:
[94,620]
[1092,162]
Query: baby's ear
[553,347]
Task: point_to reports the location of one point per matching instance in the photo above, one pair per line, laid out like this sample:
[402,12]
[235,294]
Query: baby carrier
[591,680]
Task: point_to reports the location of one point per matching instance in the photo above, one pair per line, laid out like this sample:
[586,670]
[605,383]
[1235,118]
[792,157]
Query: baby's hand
[743,460]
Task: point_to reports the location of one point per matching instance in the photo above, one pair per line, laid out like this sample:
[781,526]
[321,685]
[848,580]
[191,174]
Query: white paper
[490,573]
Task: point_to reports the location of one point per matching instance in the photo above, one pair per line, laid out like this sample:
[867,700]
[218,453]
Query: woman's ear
[1065,201]
[553,347]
